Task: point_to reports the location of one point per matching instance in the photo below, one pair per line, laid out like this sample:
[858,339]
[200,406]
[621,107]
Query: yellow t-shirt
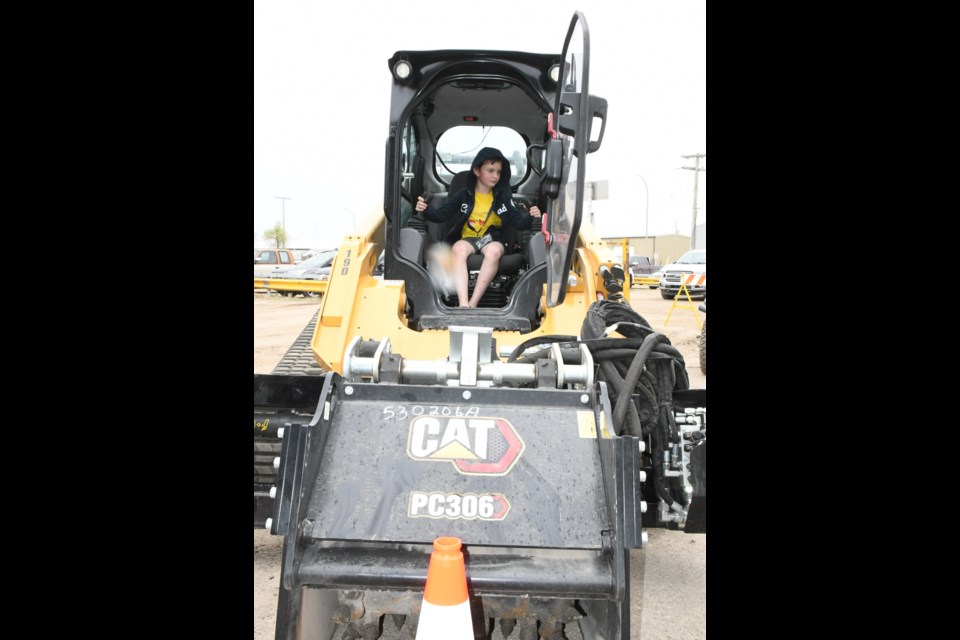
[478,223]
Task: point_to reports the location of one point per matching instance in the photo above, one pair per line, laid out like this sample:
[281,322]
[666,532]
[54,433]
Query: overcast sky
[322,92]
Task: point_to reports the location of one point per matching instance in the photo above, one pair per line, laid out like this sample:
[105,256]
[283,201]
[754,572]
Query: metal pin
[467,395]
[273,492]
[268,524]
[348,391]
[276,462]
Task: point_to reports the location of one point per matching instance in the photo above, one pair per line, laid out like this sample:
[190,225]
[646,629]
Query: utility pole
[696,173]
[646,217]
[283,222]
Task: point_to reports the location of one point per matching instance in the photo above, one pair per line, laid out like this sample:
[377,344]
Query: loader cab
[446,105]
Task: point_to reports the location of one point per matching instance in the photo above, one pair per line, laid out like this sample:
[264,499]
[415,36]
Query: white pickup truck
[693,262]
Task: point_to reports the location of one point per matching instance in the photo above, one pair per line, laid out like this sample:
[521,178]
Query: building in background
[662,249]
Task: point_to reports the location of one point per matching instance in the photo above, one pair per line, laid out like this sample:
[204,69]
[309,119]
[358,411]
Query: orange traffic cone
[445,612]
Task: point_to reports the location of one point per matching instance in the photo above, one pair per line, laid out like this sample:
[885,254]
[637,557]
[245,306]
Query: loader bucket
[545,503]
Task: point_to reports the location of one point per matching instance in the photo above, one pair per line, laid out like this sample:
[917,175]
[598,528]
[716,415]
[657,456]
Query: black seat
[510,263]
[413,237]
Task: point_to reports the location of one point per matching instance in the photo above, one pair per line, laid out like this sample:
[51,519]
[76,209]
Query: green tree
[276,235]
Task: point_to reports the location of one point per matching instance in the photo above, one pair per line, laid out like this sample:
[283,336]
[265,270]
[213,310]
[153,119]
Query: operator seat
[413,239]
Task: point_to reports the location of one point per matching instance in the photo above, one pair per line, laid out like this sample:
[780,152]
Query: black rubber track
[297,361]
[703,347]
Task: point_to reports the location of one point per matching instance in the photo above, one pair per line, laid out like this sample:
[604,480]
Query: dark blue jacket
[459,205]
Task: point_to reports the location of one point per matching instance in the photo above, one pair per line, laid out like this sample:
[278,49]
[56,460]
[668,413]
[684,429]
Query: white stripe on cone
[445,623]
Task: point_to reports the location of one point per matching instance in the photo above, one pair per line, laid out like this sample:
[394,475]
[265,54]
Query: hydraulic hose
[532,342]
[633,375]
[641,369]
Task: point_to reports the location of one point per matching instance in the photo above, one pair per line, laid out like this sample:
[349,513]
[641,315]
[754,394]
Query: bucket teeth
[528,629]
[398,620]
[552,630]
[506,626]
[350,607]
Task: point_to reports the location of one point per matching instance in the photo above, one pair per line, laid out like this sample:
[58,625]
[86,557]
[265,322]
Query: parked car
[315,268]
[304,254]
[656,275]
[641,267]
[693,262]
[318,273]
[269,260]
[297,271]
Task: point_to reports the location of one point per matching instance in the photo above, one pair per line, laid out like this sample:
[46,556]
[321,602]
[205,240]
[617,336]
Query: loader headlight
[402,69]
[555,73]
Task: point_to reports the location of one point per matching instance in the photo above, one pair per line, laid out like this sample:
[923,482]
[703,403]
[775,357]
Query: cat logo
[475,446]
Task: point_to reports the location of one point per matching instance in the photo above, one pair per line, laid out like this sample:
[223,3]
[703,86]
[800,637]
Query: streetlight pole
[696,170]
[646,217]
[283,202]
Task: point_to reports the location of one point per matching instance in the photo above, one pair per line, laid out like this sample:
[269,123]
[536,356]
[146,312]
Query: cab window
[284,257]
[458,146]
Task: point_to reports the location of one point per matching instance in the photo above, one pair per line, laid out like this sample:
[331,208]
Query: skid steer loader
[545,428]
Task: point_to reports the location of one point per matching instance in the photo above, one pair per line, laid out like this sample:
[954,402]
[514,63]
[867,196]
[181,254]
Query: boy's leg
[491,260]
[461,251]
